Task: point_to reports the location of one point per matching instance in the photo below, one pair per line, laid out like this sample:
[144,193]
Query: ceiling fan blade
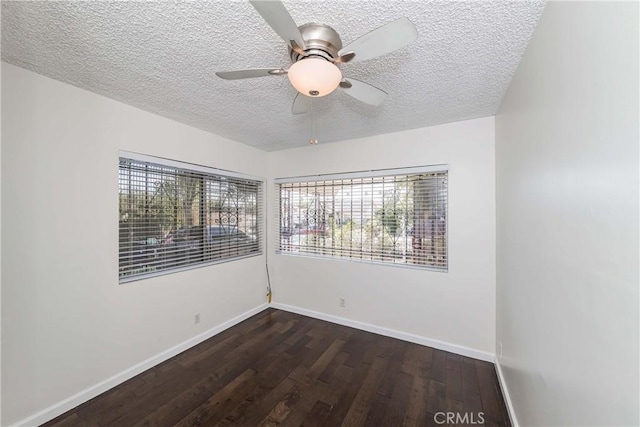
[249,74]
[363,91]
[383,40]
[301,104]
[277,16]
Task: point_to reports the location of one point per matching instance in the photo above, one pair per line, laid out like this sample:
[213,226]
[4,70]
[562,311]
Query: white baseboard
[440,345]
[95,390]
[505,393]
[61,407]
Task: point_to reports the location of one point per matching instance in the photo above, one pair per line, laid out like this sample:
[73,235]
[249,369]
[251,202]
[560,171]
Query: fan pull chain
[313,140]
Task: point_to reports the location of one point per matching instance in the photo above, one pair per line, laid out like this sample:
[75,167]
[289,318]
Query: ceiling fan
[316,51]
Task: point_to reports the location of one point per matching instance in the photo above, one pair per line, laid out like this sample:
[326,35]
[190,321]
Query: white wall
[0,228]
[567,214]
[66,322]
[455,307]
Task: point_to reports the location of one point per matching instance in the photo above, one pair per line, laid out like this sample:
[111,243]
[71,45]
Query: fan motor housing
[320,40]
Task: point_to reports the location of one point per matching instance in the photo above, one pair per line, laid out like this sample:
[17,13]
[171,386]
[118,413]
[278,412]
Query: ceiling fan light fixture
[314,77]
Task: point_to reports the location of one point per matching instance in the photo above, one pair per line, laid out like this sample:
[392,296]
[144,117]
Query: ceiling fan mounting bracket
[320,41]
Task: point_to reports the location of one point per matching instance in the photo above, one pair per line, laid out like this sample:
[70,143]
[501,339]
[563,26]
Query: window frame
[374,173]
[204,171]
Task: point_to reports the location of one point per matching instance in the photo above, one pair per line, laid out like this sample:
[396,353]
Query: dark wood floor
[280,368]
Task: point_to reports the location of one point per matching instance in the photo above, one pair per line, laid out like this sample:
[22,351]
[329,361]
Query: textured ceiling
[161,57]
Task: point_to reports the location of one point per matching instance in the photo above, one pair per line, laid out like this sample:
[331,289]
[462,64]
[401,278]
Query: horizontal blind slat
[396,219]
[173,217]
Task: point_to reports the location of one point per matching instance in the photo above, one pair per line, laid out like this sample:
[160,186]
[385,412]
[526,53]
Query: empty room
[330,213]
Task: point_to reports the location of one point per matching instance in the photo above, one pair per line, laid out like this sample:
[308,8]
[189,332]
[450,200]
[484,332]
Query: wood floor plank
[281,368]
[188,360]
[454,362]
[399,401]
[317,415]
[417,405]
[168,382]
[411,363]
[492,405]
[343,395]
[302,328]
[453,383]
[378,411]
[357,347]
[216,407]
[283,408]
[323,361]
[396,357]
[470,388]
[311,357]
[251,413]
[436,401]
[438,367]
[246,348]
[469,375]
[273,384]
[177,408]
[66,420]
[357,414]
[246,359]
[329,372]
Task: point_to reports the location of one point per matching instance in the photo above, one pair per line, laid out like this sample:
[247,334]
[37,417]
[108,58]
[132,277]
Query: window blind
[175,216]
[393,217]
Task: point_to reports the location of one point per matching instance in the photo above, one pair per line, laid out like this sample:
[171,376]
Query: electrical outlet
[343,303]
[196,318]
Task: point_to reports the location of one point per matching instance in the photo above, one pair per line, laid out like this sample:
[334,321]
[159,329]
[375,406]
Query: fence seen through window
[398,218]
[173,217]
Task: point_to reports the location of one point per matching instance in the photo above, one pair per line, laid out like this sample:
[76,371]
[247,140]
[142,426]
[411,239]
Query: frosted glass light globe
[314,77]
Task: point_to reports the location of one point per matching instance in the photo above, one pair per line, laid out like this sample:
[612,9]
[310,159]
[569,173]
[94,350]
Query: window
[391,217]
[175,216]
